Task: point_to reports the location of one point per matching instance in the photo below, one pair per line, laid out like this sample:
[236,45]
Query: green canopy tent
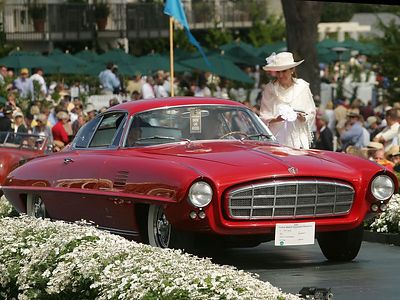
[68,64]
[219,66]
[22,59]
[241,53]
[87,55]
[329,50]
[329,44]
[154,62]
[267,49]
[362,48]
[117,56]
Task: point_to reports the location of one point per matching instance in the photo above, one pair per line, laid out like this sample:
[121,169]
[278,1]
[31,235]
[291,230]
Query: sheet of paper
[291,234]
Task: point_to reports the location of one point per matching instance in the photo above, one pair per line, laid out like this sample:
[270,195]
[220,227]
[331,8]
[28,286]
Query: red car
[170,172]
[18,148]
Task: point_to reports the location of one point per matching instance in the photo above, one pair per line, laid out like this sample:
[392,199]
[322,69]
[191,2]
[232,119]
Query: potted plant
[37,11]
[101,12]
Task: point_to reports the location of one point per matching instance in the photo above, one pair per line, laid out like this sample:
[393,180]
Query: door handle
[68,160]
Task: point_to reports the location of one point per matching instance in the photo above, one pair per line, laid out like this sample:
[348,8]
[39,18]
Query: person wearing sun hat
[287,105]
[24,84]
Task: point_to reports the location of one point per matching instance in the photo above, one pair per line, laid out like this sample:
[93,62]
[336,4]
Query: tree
[389,59]
[302,18]
[268,31]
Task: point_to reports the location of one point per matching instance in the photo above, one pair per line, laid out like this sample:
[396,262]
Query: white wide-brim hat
[281,61]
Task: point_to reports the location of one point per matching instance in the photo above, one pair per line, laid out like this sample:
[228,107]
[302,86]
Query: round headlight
[382,187]
[200,194]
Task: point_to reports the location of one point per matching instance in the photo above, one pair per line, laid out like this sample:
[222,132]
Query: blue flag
[174,8]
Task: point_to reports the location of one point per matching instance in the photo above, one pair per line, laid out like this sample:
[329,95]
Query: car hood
[252,160]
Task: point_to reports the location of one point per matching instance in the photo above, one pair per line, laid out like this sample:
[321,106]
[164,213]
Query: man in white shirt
[148,89]
[38,76]
[389,135]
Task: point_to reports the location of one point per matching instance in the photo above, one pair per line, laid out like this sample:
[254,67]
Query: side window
[106,131]
[85,134]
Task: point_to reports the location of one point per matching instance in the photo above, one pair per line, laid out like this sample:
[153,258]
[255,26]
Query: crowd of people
[285,104]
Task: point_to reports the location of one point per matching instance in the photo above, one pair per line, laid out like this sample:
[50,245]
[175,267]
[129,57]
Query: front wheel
[161,234]
[341,245]
[158,227]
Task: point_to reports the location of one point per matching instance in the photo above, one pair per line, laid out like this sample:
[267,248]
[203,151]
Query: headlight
[382,187]
[200,194]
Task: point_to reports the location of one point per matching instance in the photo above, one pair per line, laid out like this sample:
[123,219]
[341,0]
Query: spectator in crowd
[43,129]
[3,74]
[287,105]
[19,126]
[159,89]
[90,111]
[330,114]
[108,80]
[135,96]
[76,110]
[148,88]
[324,139]
[77,90]
[352,134]
[371,148]
[38,77]
[12,101]
[58,130]
[373,126]
[28,122]
[77,124]
[113,102]
[5,118]
[341,113]
[389,135]
[120,88]
[381,108]
[202,90]
[367,111]
[134,84]
[394,157]
[380,158]
[24,85]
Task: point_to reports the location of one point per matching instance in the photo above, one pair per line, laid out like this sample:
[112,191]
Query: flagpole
[171,53]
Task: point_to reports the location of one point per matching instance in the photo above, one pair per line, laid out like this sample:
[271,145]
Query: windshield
[208,122]
[22,140]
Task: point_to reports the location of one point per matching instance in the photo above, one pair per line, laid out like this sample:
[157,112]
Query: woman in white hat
[287,106]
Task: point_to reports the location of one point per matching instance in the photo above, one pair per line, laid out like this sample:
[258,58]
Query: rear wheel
[341,245]
[35,206]
[161,234]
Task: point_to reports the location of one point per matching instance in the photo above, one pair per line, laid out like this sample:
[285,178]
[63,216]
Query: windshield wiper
[268,136]
[157,137]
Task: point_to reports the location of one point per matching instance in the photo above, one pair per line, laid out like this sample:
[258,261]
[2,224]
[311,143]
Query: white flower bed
[40,259]
[389,221]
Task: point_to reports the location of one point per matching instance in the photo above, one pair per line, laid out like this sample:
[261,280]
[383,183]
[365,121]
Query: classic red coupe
[174,171]
[18,148]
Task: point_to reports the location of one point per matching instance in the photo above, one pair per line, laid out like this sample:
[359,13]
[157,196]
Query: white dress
[296,134]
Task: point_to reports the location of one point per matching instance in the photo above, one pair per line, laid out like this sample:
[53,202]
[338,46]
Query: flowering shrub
[40,259]
[389,221]
[6,208]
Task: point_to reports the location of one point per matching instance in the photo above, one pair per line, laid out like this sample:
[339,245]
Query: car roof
[143,105]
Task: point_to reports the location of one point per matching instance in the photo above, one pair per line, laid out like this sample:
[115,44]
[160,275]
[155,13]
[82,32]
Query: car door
[84,195]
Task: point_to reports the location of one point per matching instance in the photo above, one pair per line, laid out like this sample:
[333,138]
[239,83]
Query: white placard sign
[291,234]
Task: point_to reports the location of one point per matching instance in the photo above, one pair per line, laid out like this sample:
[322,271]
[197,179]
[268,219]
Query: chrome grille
[280,199]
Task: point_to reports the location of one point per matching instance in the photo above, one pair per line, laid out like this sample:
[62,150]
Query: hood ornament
[293,170]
